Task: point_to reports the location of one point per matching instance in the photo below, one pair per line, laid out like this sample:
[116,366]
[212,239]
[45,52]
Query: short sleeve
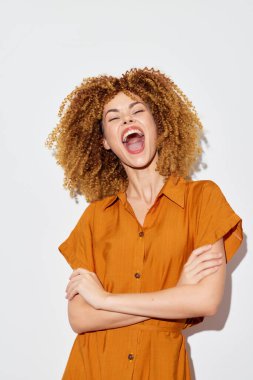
[217,219]
[77,248]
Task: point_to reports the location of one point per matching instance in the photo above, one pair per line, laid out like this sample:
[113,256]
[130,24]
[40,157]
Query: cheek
[113,140]
[110,134]
[152,127]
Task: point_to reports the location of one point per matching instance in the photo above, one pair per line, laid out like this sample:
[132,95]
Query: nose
[130,120]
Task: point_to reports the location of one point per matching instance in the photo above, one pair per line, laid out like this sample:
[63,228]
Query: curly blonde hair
[94,172]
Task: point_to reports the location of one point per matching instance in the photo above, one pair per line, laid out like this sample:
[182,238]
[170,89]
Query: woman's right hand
[201,263]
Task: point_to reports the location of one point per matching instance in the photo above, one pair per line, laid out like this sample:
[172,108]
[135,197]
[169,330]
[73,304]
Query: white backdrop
[47,48]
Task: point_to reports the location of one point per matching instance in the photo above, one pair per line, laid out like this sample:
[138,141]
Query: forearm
[84,317]
[185,301]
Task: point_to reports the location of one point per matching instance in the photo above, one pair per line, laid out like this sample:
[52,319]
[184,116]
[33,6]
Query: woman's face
[129,130]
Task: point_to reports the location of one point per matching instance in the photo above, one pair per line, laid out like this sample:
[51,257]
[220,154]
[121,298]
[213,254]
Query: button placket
[132,350]
[138,261]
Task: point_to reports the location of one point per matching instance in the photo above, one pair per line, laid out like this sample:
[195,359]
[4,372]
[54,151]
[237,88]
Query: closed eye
[113,119]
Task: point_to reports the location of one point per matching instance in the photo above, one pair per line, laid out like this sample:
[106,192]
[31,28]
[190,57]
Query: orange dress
[130,258]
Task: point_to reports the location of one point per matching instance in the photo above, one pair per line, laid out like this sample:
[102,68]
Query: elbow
[76,311]
[210,312]
[209,301]
[212,309]
[76,327]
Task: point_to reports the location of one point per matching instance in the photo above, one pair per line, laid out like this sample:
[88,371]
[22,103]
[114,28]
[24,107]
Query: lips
[133,127]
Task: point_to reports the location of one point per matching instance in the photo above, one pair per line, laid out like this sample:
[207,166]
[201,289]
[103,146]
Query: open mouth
[134,141]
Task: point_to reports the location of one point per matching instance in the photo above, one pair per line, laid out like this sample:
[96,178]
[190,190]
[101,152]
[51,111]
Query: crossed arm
[185,301]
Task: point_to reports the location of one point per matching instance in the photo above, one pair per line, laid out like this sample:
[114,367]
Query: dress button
[130,356]
[137,275]
[141,233]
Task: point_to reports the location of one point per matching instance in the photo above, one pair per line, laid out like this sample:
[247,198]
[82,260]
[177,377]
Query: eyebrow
[130,106]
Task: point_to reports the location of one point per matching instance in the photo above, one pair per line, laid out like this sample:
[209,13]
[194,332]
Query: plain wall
[47,48]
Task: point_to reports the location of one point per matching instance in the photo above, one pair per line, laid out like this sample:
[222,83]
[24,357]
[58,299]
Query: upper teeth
[129,132]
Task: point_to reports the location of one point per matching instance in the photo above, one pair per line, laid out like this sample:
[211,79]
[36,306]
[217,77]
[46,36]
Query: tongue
[134,143]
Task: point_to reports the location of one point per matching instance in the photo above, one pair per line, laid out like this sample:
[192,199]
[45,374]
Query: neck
[144,184]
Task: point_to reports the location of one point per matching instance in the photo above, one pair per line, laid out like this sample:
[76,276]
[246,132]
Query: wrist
[105,302]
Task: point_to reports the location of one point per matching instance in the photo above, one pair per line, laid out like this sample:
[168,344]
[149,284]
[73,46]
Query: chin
[139,162]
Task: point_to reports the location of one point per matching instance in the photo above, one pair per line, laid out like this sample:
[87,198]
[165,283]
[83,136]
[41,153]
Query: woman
[149,252]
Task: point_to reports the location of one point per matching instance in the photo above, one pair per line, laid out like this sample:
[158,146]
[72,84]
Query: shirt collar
[173,189]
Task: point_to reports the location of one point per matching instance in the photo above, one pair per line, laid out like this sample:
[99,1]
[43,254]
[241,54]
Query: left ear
[105,144]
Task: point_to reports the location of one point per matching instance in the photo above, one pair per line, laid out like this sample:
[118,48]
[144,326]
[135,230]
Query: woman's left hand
[87,284]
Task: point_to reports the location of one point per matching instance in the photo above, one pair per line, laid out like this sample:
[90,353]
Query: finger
[209,256]
[79,271]
[206,273]
[74,273]
[92,275]
[83,272]
[70,295]
[95,277]
[73,282]
[202,249]
[207,264]
[73,287]
[211,259]
[196,252]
